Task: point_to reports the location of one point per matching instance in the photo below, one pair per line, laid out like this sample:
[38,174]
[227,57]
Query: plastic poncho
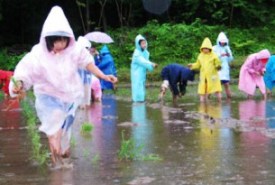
[139,66]
[54,77]
[85,75]
[218,49]
[107,66]
[5,80]
[208,64]
[249,79]
[269,77]
[177,75]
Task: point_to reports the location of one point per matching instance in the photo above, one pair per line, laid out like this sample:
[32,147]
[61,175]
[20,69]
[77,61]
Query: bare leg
[162,93]
[175,100]
[55,146]
[264,96]
[203,98]
[269,93]
[227,90]
[219,96]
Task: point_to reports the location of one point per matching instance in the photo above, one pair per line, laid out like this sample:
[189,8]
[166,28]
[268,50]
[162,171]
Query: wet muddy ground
[227,143]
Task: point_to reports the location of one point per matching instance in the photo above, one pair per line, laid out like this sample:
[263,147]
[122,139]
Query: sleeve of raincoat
[196,65]
[140,60]
[248,64]
[24,72]
[230,57]
[84,58]
[217,62]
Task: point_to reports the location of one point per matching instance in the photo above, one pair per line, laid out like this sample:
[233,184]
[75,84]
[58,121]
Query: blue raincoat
[107,66]
[177,75]
[269,77]
[139,66]
[224,73]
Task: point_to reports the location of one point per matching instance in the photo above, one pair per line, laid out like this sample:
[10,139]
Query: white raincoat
[224,73]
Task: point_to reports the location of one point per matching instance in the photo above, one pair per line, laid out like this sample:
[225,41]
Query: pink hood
[263,54]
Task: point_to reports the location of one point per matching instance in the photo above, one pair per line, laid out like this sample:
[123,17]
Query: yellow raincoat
[208,65]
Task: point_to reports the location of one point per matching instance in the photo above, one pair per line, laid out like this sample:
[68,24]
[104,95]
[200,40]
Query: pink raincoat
[249,79]
[54,77]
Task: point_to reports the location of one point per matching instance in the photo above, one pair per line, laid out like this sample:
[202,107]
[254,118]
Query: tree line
[21,21]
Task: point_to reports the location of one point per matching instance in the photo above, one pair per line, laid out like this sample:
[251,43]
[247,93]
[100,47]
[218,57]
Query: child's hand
[111,78]
[155,65]
[18,87]
[189,65]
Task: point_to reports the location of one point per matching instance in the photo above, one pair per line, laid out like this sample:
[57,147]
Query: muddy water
[227,143]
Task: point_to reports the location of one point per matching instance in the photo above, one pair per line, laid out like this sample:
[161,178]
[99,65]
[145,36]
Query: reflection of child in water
[51,68]
[175,76]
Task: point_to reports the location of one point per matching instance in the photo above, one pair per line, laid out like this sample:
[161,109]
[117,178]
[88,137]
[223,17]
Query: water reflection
[253,112]
[270,114]
[143,132]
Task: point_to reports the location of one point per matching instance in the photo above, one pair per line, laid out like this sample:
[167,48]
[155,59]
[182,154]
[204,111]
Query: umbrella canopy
[99,37]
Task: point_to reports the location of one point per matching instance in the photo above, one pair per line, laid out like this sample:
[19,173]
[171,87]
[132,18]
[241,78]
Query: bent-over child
[175,77]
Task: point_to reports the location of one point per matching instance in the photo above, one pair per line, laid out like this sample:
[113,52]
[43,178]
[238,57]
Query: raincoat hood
[56,24]
[263,54]
[206,44]
[104,50]
[138,38]
[222,38]
[83,42]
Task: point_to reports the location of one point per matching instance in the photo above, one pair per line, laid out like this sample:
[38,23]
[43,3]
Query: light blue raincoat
[224,73]
[139,66]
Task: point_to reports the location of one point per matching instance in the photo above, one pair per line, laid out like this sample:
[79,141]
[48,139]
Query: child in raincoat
[107,66]
[85,76]
[251,74]
[139,67]
[175,76]
[208,64]
[224,53]
[269,76]
[51,67]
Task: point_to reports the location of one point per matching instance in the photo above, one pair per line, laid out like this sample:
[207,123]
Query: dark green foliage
[9,61]
[180,43]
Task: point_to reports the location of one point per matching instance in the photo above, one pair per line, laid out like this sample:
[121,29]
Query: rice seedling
[86,153]
[86,127]
[95,159]
[151,157]
[128,150]
[39,154]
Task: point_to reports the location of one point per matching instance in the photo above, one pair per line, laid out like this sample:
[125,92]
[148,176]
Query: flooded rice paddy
[227,143]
